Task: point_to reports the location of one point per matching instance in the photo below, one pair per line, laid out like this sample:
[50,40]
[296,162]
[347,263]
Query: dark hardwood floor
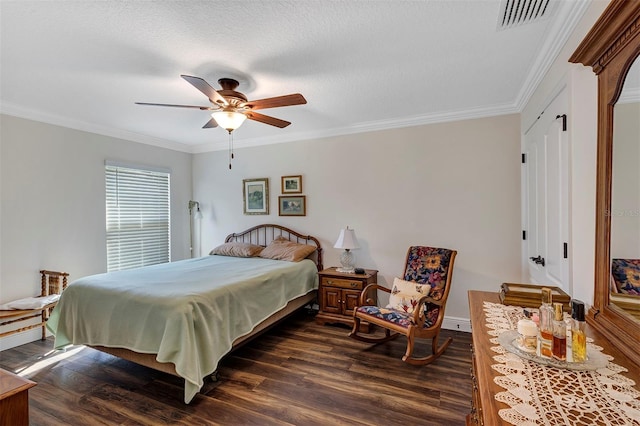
[299,373]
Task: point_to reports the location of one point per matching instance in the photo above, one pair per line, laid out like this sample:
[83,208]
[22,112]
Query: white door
[546,189]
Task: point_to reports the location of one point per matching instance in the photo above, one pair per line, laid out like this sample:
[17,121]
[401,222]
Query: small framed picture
[292,184]
[292,205]
[255,193]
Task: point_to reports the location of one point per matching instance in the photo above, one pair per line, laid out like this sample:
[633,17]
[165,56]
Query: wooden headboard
[264,234]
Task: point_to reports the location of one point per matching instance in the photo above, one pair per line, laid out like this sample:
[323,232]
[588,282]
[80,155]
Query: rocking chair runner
[422,318]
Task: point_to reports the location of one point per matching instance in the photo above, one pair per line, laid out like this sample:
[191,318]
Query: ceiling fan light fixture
[229,120]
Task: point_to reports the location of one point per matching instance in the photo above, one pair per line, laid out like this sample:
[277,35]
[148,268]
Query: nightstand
[339,293]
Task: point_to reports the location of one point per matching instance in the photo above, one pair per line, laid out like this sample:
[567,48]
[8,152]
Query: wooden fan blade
[206,88]
[203,108]
[210,124]
[266,119]
[278,101]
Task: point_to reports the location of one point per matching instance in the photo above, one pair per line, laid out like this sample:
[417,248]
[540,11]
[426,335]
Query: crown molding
[372,126]
[8,108]
[569,14]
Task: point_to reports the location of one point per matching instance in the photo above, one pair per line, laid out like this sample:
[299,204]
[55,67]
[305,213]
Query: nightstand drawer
[342,283]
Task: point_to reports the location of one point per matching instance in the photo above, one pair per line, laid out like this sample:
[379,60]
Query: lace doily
[543,395]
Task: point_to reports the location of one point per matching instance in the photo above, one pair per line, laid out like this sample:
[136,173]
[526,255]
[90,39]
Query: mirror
[625,197]
[610,48]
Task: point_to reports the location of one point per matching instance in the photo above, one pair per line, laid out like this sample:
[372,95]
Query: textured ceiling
[362,65]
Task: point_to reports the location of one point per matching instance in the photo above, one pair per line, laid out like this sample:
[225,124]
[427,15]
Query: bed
[183,317]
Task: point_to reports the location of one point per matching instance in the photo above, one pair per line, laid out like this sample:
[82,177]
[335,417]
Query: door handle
[539,260]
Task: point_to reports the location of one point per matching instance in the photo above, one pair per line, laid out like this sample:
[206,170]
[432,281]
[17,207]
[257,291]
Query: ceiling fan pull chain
[230,150]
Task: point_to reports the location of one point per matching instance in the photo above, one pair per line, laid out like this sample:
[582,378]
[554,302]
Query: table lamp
[347,240]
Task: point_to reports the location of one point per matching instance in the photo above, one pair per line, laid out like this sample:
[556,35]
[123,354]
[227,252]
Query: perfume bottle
[546,323]
[559,346]
[578,336]
[527,335]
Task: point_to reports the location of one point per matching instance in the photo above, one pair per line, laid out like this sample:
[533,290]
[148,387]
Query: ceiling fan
[230,108]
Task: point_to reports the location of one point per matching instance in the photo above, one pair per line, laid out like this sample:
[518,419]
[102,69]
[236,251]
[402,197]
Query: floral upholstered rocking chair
[416,303]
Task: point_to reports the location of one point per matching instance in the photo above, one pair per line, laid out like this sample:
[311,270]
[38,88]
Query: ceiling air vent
[519,12]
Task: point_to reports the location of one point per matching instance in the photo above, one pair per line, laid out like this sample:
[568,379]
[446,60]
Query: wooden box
[530,295]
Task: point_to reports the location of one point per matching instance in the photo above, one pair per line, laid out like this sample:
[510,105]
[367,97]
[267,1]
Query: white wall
[52,208]
[453,185]
[582,120]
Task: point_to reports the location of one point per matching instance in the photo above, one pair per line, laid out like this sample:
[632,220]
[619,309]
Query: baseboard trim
[457,324]
[20,339]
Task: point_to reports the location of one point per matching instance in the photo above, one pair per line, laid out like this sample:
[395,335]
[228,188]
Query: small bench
[52,282]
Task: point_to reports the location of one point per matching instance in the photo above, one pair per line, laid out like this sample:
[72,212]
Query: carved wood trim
[610,48]
[619,23]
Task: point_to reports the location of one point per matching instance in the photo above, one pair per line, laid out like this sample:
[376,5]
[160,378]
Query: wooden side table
[14,399]
[339,294]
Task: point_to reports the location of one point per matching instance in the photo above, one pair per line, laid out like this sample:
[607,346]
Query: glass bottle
[527,335]
[578,336]
[546,326]
[559,347]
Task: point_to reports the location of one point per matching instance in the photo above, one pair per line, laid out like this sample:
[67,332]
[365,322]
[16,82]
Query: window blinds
[137,217]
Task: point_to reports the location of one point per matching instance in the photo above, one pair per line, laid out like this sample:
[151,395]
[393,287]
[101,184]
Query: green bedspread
[187,312]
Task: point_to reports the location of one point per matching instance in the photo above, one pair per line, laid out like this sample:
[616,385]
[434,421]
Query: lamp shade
[229,120]
[347,240]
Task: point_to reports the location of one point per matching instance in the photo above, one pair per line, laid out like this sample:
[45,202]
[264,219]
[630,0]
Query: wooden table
[14,399]
[485,410]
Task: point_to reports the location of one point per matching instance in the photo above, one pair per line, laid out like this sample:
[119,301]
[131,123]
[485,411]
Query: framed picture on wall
[255,194]
[289,205]
[292,184]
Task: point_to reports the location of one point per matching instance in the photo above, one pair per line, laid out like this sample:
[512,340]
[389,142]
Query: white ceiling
[362,65]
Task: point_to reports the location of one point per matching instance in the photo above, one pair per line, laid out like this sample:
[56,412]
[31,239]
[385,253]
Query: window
[137,217]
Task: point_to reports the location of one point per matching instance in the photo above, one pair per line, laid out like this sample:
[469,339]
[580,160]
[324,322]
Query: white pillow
[405,295]
[30,303]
